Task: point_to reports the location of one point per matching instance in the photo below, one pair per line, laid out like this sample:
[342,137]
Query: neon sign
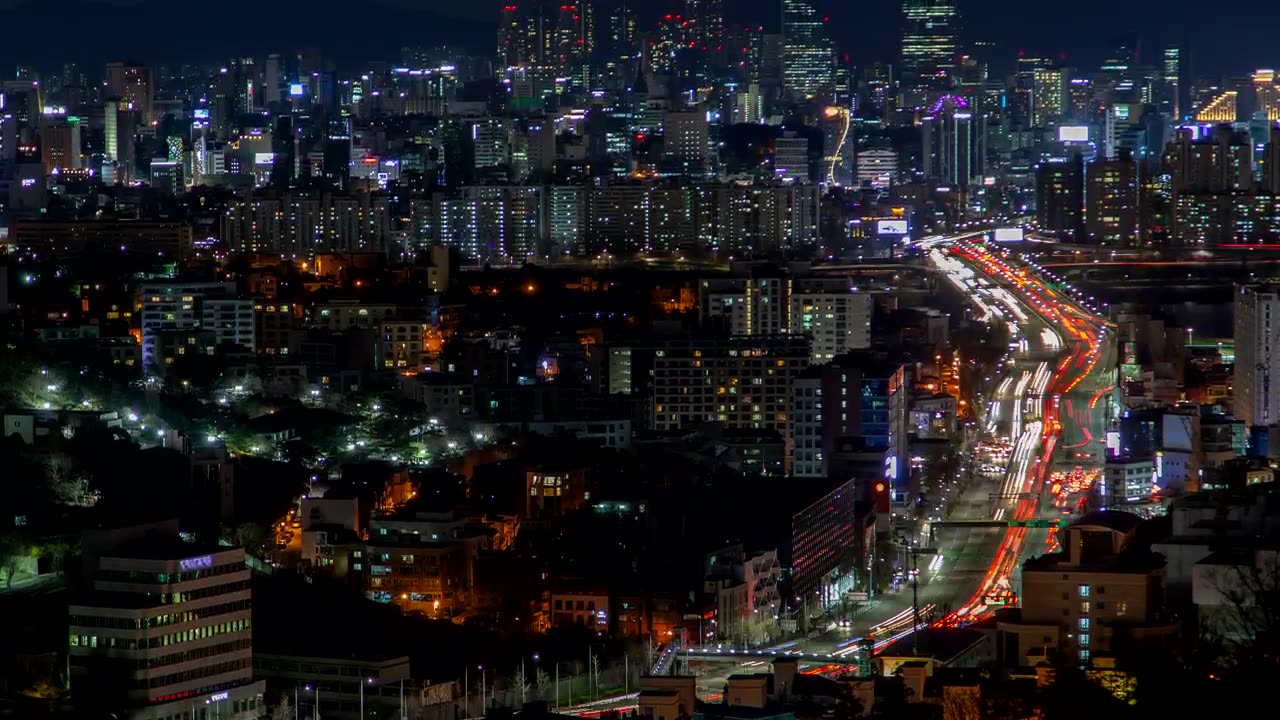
[196,563]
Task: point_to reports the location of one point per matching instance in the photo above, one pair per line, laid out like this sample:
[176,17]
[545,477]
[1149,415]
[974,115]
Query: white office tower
[164,629]
[1256,399]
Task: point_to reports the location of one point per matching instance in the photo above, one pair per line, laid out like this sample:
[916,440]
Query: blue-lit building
[861,396]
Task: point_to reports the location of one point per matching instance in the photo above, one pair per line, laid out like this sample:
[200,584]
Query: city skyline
[868,33]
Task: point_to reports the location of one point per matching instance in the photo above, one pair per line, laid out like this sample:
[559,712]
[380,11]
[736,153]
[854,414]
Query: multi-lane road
[1041,403]
[1060,345]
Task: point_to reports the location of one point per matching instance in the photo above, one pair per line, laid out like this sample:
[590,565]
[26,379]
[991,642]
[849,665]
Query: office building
[1049,98]
[211,307]
[686,142]
[1176,98]
[66,237]
[271,82]
[1111,201]
[791,157]
[1060,196]
[1256,399]
[824,549]
[929,41]
[164,631]
[954,144]
[877,168]
[60,145]
[744,383]
[132,86]
[341,682]
[808,56]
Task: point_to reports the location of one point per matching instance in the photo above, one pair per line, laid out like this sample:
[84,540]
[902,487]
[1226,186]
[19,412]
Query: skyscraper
[1177,84]
[808,62]
[928,40]
[131,83]
[706,35]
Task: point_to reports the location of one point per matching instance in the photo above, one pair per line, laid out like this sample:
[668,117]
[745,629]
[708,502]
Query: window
[1084,639]
[1084,624]
[1084,656]
[1084,591]
[1121,609]
[1084,606]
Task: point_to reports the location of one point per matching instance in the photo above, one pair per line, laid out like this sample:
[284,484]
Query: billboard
[1008,234]
[892,227]
[297,89]
[1073,133]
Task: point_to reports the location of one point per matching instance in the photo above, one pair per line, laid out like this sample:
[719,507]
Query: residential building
[207,306]
[1256,401]
[1101,594]
[1111,201]
[744,382]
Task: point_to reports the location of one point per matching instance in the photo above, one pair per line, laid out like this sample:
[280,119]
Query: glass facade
[808,67]
[929,38]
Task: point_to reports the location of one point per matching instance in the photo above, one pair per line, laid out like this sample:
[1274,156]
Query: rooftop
[164,547]
[1117,520]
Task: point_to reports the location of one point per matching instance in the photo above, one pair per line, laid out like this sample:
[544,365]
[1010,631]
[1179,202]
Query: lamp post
[367,681]
[316,707]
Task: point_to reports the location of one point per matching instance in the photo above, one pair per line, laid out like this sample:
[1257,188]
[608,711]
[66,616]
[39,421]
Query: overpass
[1001,524]
[719,654]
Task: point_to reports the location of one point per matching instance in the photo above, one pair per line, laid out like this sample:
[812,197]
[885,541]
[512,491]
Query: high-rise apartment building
[1256,400]
[929,41]
[1060,196]
[1111,201]
[860,399]
[833,315]
[164,631]
[808,56]
[745,383]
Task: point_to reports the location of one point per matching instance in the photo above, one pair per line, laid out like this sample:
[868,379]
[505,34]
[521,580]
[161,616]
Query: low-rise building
[1100,594]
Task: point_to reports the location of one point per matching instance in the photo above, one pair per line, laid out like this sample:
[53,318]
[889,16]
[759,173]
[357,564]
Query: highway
[1061,343]
[1047,392]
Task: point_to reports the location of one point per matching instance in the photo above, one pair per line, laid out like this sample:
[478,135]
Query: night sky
[352,30]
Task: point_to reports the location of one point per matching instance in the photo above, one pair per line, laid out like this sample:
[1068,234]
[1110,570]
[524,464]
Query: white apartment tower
[1257,337]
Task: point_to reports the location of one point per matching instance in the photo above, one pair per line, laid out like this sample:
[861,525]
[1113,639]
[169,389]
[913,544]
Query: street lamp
[368,681]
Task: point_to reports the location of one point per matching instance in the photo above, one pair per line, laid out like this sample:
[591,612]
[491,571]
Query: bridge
[978,524]
[719,654]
